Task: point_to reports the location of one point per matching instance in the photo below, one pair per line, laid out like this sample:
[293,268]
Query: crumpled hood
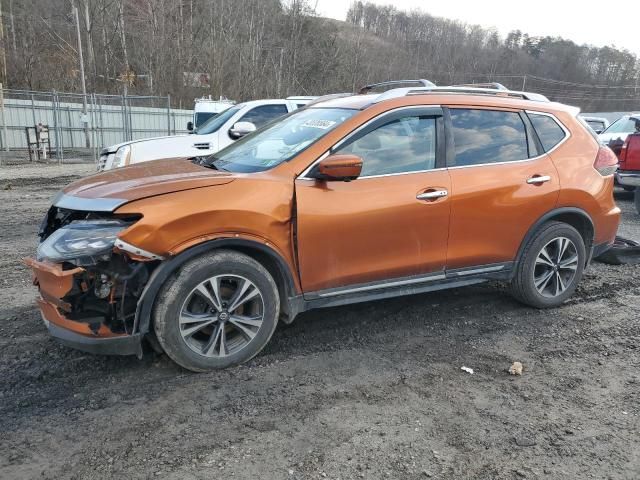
[108,190]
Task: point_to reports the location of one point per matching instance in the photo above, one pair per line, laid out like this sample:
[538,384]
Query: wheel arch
[574,216]
[266,256]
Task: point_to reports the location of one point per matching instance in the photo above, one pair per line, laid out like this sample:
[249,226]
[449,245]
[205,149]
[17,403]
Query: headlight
[122,157]
[82,242]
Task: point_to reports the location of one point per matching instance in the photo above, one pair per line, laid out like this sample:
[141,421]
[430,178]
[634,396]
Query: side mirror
[190,126]
[241,129]
[345,167]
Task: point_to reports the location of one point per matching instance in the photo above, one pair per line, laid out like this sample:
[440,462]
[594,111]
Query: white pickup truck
[212,136]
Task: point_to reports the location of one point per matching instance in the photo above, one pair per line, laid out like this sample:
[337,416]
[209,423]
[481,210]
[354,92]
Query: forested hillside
[271,48]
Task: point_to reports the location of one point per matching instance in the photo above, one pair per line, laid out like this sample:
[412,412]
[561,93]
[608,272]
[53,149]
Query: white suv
[215,134]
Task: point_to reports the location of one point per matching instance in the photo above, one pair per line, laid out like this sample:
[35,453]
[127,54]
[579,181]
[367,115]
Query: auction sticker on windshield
[323,124]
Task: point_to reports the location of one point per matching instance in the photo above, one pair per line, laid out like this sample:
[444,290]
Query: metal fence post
[33,110]
[101,123]
[54,110]
[5,135]
[60,133]
[169,115]
[93,128]
[124,117]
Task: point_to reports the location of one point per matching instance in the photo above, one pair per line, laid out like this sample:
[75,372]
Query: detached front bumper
[628,178]
[54,284]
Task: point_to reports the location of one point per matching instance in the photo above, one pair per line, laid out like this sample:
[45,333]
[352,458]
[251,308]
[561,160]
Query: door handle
[538,179]
[432,195]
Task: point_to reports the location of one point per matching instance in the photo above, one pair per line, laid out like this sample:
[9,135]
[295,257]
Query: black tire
[636,199]
[523,286]
[177,291]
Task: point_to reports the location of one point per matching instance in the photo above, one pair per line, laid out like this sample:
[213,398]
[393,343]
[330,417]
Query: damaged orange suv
[351,199]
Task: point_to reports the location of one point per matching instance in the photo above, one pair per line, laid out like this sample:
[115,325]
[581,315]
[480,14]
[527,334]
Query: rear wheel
[220,310]
[551,266]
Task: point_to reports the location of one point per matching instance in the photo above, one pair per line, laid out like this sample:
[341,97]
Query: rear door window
[488,136]
[548,130]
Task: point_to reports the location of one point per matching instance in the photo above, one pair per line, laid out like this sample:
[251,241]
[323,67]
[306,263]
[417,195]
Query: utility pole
[85,117]
[3,55]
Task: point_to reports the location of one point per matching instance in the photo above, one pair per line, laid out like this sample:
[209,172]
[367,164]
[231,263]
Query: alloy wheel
[221,315]
[555,267]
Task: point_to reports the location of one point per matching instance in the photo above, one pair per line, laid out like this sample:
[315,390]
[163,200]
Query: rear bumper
[628,178]
[54,284]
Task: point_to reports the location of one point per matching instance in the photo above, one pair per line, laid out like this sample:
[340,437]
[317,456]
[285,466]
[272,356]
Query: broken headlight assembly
[82,242]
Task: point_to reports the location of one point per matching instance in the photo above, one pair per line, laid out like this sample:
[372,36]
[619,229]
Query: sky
[583,22]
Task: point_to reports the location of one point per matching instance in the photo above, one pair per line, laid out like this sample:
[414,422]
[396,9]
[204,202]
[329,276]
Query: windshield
[278,141]
[622,125]
[214,123]
[202,117]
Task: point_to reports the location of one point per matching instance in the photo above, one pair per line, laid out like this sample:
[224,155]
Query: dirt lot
[368,391]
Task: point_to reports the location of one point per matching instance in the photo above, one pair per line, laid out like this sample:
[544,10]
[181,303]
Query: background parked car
[215,134]
[618,130]
[598,124]
[628,174]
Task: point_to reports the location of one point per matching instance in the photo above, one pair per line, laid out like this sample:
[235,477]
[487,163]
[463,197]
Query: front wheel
[550,267]
[219,310]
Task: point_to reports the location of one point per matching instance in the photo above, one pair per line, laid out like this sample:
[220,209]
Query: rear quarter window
[548,130]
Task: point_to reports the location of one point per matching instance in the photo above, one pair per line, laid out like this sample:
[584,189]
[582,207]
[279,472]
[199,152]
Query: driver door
[379,227]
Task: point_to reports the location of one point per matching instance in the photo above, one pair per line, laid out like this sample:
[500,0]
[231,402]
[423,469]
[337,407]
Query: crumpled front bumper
[54,284]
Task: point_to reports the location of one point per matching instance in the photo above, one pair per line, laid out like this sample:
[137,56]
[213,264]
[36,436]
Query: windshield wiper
[209,162]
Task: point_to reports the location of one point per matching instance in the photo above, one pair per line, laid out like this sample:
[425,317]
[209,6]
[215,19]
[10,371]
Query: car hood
[109,190]
[114,148]
[607,137]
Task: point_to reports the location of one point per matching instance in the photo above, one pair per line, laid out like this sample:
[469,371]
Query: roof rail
[330,96]
[403,92]
[421,81]
[493,85]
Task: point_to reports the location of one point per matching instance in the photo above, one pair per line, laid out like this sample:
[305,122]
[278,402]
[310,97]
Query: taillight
[622,157]
[606,162]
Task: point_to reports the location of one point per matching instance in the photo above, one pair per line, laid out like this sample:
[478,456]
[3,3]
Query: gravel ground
[368,391]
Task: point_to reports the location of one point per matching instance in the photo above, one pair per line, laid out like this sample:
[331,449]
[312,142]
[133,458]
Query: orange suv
[350,199]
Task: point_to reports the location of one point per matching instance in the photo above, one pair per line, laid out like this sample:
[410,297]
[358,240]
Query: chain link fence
[53,126]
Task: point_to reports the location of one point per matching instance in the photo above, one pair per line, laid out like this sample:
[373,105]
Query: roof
[361,102]
[485,94]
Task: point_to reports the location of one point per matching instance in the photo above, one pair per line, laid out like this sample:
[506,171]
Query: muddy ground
[369,391]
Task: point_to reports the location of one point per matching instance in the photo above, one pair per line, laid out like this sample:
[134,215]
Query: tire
[534,269]
[636,199]
[189,319]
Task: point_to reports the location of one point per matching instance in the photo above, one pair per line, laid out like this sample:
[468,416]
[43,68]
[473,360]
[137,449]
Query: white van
[205,108]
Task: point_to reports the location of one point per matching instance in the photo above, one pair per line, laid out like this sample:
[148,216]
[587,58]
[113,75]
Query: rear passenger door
[502,182]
